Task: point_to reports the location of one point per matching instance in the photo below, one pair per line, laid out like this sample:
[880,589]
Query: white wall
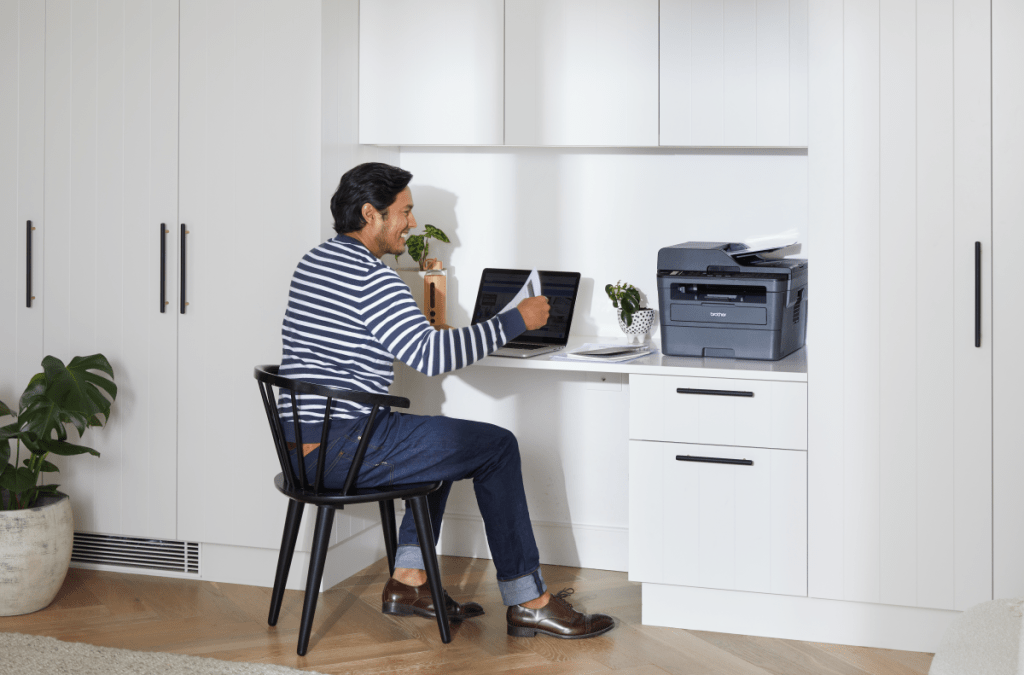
[601,212]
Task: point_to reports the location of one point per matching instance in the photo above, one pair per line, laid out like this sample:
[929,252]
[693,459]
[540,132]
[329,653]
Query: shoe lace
[563,595]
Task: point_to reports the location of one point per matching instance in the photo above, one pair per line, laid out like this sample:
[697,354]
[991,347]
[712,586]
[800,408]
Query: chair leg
[426,536]
[387,520]
[284,559]
[317,557]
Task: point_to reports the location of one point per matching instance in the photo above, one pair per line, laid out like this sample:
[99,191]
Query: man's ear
[368,212]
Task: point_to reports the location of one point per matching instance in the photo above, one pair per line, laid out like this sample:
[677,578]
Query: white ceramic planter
[35,551]
[642,321]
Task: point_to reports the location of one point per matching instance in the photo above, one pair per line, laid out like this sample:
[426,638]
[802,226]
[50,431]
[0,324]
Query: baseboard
[591,546]
[258,566]
[796,618]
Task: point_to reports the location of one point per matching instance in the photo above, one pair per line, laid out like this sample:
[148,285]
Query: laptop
[498,287]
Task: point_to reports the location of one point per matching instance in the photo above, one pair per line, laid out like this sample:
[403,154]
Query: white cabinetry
[900,486]
[703,511]
[22,41]
[581,72]
[431,73]
[733,73]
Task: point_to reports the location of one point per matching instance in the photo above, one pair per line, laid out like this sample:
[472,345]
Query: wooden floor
[228,621]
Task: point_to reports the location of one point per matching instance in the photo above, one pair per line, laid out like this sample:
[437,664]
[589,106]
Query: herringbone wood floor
[229,622]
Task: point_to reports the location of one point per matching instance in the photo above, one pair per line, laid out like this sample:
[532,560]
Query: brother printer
[727,300]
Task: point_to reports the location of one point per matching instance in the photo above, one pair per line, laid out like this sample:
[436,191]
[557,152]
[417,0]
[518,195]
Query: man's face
[391,232]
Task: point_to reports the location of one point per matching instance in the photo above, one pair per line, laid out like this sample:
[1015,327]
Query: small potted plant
[36,524]
[418,245]
[634,320]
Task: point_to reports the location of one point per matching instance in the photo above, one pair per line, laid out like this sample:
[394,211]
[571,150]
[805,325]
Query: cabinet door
[22,40]
[111,182]
[718,517]
[900,396]
[250,202]
[431,72]
[1007,320]
[733,72]
[581,72]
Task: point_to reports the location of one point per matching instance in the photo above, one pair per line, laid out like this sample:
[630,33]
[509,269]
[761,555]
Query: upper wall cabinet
[431,73]
[734,72]
[581,72]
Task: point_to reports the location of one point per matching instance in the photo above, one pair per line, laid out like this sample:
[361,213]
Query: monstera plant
[77,395]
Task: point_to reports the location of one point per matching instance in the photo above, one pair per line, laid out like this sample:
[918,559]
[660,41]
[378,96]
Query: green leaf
[44,467]
[4,410]
[75,389]
[432,231]
[17,480]
[416,246]
[5,452]
[64,449]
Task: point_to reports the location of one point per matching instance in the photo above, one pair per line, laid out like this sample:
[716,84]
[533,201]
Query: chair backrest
[268,378]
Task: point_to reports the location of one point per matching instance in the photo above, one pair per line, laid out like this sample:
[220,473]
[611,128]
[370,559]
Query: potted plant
[36,525]
[418,245]
[634,319]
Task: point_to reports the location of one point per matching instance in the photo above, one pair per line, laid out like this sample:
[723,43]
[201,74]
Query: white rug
[35,655]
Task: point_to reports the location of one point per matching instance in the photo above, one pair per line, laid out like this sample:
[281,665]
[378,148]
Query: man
[349,316]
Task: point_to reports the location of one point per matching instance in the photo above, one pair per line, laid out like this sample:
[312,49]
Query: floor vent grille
[136,552]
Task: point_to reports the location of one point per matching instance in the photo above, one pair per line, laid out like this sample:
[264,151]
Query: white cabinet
[22,41]
[900,485]
[249,198]
[733,73]
[431,73]
[581,72]
[718,517]
[718,483]
[1007,320]
[111,184]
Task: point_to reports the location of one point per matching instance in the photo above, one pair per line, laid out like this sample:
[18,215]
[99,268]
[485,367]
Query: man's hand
[535,312]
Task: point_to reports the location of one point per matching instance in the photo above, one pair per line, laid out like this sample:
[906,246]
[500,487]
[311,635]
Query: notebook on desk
[498,287]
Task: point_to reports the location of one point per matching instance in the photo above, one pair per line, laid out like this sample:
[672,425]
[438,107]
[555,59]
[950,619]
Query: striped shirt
[350,316]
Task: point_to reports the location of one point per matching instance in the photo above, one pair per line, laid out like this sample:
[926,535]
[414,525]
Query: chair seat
[358,496]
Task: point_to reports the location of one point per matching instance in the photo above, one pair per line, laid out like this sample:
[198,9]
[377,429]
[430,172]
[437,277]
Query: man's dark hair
[373,182]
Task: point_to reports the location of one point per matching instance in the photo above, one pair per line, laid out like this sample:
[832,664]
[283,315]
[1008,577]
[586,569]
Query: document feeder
[725,300]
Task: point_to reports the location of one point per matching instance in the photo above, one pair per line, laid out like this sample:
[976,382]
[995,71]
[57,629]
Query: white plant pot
[642,321]
[35,551]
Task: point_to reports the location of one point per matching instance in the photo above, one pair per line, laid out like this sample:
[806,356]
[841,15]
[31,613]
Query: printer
[726,300]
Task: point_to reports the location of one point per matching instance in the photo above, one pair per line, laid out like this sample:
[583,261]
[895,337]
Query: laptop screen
[498,287]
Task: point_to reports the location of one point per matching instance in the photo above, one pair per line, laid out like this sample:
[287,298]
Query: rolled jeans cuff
[410,558]
[522,589]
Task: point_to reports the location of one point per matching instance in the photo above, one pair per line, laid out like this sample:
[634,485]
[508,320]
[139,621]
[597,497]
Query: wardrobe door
[111,190]
[22,41]
[249,209]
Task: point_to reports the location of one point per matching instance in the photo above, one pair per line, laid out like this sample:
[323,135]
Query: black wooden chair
[296,487]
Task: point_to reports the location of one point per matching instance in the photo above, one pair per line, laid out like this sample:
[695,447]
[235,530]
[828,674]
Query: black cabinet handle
[183,233]
[28,263]
[714,460]
[715,392]
[977,294]
[163,267]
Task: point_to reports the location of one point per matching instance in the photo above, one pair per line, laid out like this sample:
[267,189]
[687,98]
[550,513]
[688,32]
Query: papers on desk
[606,353]
[530,289]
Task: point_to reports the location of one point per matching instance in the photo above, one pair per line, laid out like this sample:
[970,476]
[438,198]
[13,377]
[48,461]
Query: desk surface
[793,368]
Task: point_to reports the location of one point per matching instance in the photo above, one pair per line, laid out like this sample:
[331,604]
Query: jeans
[414,448]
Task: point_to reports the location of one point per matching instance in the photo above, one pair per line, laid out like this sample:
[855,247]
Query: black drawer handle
[977,294]
[183,233]
[28,263]
[715,392]
[714,460]
[163,267]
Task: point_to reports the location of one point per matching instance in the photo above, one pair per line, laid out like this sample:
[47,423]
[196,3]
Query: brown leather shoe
[403,600]
[557,619]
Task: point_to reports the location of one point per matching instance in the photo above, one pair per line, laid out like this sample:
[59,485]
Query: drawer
[718,525]
[718,411]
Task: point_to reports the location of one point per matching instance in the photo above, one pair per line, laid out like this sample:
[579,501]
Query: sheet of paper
[530,289]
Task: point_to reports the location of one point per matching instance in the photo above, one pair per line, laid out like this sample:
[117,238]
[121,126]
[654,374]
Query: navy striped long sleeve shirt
[350,316]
